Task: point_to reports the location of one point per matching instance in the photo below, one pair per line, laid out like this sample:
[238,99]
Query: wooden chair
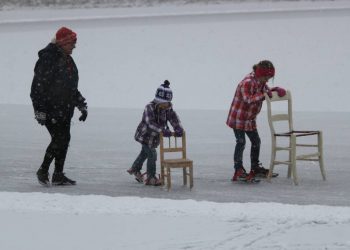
[292,135]
[169,145]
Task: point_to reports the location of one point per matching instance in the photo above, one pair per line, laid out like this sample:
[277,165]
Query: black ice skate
[43,177]
[59,179]
[261,172]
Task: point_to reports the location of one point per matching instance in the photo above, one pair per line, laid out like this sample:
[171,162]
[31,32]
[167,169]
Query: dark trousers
[151,155]
[58,147]
[240,145]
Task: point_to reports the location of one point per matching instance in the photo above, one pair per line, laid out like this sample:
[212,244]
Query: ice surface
[103,148]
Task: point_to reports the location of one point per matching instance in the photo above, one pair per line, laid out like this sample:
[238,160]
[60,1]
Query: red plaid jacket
[246,104]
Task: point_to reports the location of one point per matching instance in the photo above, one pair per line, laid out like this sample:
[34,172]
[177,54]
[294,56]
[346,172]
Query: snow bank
[166,10]
[99,204]
[37,220]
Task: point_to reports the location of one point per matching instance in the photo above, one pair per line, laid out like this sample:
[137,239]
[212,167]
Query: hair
[265,64]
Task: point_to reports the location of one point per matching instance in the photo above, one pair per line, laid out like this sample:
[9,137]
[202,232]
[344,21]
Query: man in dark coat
[55,94]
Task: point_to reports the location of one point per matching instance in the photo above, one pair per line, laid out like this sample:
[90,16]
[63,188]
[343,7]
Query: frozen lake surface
[103,148]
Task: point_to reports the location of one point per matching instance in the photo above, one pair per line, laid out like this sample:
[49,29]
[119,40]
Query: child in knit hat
[154,121]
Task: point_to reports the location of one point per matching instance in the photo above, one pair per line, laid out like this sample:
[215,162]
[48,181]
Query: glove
[166,132]
[84,114]
[40,117]
[179,132]
[280,91]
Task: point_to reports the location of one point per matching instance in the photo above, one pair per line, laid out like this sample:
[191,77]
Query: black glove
[179,132]
[84,114]
[40,117]
[166,132]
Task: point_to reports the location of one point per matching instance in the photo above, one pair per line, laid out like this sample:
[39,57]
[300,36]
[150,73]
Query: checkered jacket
[246,104]
[153,122]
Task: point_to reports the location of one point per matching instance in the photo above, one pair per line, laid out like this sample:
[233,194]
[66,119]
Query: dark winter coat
[153,122]
[55,84]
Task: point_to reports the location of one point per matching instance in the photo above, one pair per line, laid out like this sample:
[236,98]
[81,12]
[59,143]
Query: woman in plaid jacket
[245,107]
[154,120]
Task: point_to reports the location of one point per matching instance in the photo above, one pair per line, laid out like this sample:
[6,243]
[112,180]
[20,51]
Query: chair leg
[289,174]
[162,174]
[168,178]
[293,159]
[273,158]
[184,171]
[290,158]
[191,176]
[320,157]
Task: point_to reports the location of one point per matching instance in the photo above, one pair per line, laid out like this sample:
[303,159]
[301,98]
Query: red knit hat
[65,36]
[264,72]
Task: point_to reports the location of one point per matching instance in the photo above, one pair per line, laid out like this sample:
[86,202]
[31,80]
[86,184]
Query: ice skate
[43,177]
[137,174]
[261,172]
[152,181]
[59,179]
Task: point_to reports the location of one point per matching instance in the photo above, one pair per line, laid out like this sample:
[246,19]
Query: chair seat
[177,162]
[298,133]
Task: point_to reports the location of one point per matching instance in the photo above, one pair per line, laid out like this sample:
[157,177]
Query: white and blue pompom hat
[163,93]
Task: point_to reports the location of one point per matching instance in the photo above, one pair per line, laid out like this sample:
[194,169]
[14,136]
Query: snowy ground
[204,55]
[58,221]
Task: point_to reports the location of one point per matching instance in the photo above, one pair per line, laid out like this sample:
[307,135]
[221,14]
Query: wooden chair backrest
[172,145]
[282,115]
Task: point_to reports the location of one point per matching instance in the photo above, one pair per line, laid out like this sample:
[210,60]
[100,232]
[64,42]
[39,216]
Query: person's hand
[280,91]
[269,93]
[179,132]
[84,114]
[166,132]
[40,117]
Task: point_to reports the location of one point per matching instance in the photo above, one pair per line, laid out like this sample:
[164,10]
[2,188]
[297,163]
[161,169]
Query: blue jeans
[151,155]
[240,145]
